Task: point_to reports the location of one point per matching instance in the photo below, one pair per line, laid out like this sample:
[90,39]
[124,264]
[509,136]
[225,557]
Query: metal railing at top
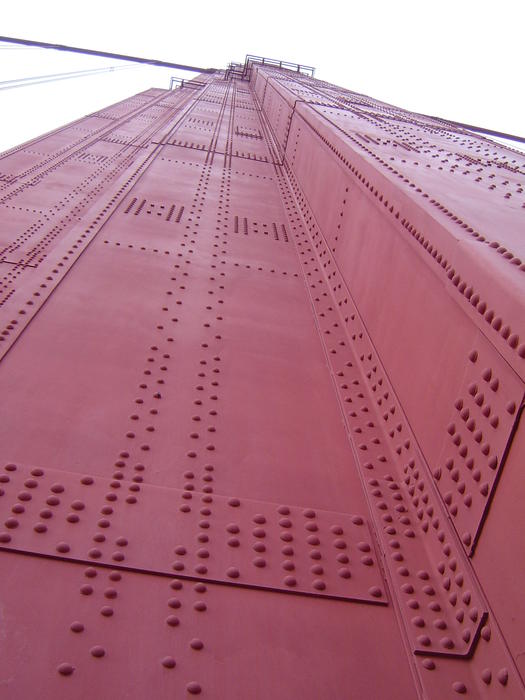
[297,67]
[243,71]
[181,83]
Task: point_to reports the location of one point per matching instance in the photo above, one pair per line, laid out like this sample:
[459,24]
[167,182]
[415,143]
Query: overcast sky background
[460,59]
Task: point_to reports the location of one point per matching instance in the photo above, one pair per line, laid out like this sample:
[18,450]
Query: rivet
[459,687]
[193,688]
[98,651]
[65,669]
[423,640]
[503,676]
[486,633]
[486,676]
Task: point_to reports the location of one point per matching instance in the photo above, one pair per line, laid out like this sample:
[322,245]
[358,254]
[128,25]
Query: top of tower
[242,71]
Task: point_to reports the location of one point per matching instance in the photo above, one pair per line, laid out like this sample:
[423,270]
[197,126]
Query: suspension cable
[105,54]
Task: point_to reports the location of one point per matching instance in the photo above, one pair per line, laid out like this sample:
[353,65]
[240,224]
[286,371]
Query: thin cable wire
[55,77]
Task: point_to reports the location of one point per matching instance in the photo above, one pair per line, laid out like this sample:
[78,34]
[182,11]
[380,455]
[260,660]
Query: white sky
[458,59]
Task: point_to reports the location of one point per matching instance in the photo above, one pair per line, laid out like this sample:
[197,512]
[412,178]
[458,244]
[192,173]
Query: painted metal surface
[261,371]
[209,537]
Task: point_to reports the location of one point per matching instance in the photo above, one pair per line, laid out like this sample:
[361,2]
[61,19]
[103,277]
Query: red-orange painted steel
[262,370]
